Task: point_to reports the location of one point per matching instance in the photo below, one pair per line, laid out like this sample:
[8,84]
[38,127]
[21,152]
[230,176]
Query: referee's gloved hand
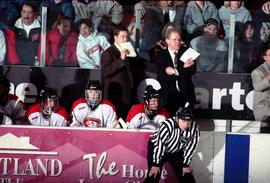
[186,170]
[154,171]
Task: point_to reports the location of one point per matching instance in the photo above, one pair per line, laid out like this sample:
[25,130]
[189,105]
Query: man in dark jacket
[27,30]
[174,75]
[116,72]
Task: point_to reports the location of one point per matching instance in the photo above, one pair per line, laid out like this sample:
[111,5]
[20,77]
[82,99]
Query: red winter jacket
[52,44]
[12,56]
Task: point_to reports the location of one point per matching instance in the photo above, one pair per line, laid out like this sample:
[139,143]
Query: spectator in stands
[242,15]
[116,72]
[246,49]
[174,142]
[155,15]
[95,10]
[61,44]
[27,30]
[47,112]
[58,8]
[214,60]
[262,17]
[11,54]
[174,75]
[92,111]
[148,115]
[90,45]
[261,83]
[196,14]
[10,105]
[2,47]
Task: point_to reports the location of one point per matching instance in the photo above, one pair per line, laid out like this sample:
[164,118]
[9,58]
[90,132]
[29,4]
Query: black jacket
[168,82]
[27,47]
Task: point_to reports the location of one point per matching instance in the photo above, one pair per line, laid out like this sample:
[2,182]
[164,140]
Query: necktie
[175,60]
[175,66]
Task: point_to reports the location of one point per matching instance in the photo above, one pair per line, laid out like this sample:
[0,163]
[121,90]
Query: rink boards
[232,158]
[44,154]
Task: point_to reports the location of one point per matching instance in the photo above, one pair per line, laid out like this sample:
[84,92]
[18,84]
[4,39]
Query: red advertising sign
[74,155]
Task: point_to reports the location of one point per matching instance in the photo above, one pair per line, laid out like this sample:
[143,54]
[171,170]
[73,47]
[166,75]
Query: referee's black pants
[175,160]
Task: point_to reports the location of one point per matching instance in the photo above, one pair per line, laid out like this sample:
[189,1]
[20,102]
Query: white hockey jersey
[58,118]
[104,114]
[137,118]
[14,110]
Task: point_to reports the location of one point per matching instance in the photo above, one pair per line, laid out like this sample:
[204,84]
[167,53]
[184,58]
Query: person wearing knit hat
[211,21]
[197,12]
[214,61]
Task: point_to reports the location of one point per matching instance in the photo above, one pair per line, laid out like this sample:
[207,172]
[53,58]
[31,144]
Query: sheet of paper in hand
[129,47]
[189,53]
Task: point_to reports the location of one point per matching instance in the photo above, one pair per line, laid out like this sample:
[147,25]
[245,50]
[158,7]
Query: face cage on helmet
[46,107]
[147,106]
[93,103]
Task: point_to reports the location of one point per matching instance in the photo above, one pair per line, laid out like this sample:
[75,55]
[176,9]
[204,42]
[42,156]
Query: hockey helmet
[49,101]
[184,113]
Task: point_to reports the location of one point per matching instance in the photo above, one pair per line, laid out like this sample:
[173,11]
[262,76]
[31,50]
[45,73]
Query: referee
[175,141]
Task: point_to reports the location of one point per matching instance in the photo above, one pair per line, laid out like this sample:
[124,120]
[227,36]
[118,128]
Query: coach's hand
[154,171]
[124,54]
[186,170]
[188,63]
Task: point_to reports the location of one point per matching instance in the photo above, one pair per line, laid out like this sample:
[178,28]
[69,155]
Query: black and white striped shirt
[170,138]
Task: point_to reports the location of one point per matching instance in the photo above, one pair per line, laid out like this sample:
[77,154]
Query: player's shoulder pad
[33,108]
[164,112]
[62,111]
[77,102]
[107,102]
[135,109]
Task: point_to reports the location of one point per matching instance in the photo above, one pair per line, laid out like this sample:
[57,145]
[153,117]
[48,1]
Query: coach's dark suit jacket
[168,82]
[116,75]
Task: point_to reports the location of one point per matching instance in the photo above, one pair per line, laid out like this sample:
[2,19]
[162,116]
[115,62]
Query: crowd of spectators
[67,45]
